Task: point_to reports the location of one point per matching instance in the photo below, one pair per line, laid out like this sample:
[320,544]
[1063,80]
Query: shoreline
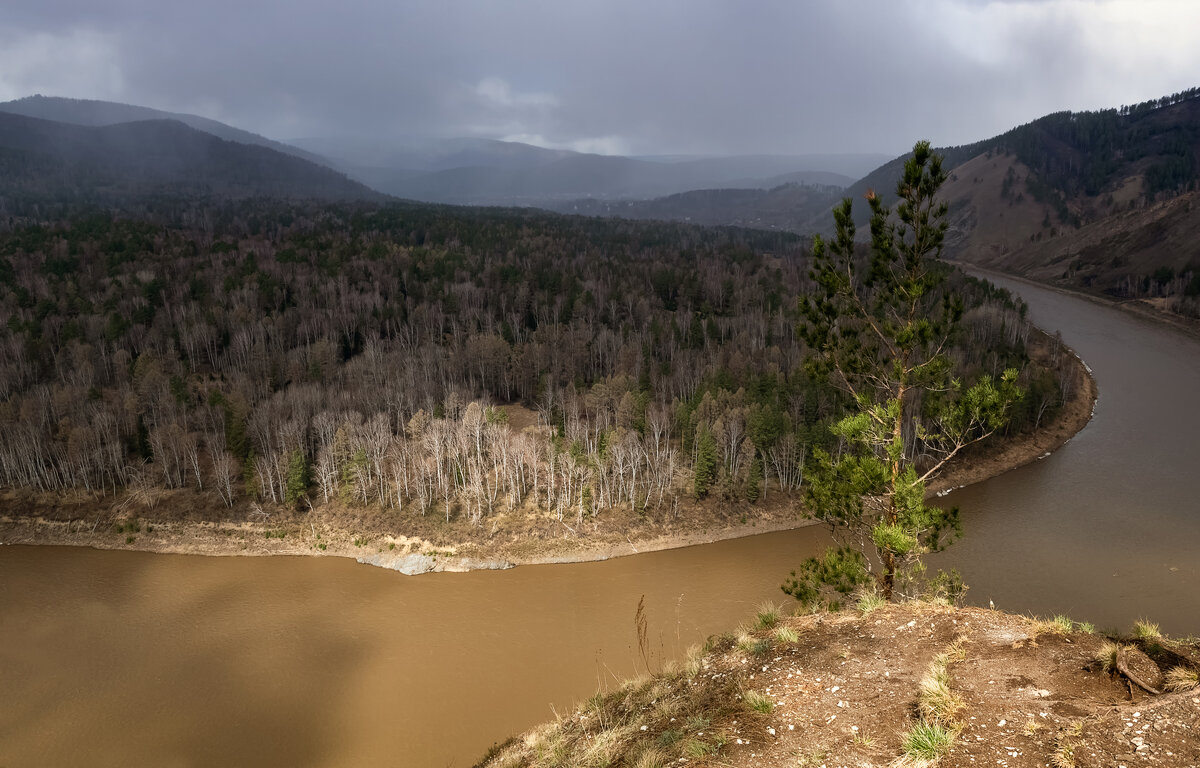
[315,535]
[1138,308]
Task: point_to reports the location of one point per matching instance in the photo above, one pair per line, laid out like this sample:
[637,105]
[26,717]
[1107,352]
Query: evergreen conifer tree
[880,329]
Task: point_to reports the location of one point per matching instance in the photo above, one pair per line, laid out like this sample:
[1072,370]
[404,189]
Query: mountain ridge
[48,161]
[98,113]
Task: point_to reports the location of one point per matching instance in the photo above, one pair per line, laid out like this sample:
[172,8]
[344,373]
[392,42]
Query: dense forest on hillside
[785,207]
[1073,155]
[359,354]
[1087,153]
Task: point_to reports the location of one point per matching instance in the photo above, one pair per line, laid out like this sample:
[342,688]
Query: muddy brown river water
[133,659]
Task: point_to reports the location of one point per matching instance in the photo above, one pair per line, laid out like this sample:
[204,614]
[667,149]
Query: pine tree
[298,477]
[880,330]
[706,462]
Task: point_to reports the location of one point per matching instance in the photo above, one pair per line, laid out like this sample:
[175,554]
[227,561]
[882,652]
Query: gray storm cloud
[629,77]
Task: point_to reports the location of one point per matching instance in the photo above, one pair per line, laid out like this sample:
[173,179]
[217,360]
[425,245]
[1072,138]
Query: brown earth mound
[851,689]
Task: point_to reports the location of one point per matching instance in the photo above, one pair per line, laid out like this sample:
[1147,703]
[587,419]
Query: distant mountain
[1104,201]
[430,156]
[786,207]
[486,172]
[847,166]
[43,160]
[94,113]
[1075,161]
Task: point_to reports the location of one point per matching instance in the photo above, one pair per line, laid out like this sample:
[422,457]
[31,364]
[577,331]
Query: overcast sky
[612,76]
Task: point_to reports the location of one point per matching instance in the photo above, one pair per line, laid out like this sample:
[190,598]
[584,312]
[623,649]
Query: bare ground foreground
[186,522]
[852,689]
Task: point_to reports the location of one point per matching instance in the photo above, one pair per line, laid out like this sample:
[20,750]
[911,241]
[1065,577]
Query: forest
[289,354]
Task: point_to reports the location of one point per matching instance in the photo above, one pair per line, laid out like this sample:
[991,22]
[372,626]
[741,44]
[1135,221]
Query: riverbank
[1153,310]
[852,688]
[413,544]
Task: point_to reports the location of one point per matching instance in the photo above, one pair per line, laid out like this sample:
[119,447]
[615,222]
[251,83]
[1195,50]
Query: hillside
[784,207]
[93,113]
[1084,165]
[1099,201]
[46,162]
[892,685]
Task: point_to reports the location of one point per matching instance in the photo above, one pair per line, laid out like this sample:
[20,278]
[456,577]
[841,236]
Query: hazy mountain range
[100,113]
[1096,199]
[470,171]
[489,172]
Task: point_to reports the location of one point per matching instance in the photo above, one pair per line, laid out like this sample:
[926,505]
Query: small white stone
[1002,723]
[771,731]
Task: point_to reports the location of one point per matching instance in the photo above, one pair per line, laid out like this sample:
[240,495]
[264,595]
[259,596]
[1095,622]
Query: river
[125,658]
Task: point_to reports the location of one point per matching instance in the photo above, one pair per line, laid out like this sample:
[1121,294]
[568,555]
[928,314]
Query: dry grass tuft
[1107,656]
[1146,630]
[870,602]
[1064,754]
[1059,625]
[935,700]
[652,757]
[767,615]
[753,646]
[1181,679]
[757,702]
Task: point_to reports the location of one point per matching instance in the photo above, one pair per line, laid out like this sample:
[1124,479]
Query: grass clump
[1065,745]
[810,759]
[669,737]
[870,602]
[767,615]
[757,702]
[939,707]
[1059,625]
[1064,755]
[697,748]
[1181,679]
[753,646]
[937,703]
[607,746]
[1106,654]
[1146,630]
[926,742]
[787,635]
[652,758]
[863,740]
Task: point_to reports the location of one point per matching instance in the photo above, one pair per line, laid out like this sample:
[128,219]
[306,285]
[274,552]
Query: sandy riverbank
[415,544]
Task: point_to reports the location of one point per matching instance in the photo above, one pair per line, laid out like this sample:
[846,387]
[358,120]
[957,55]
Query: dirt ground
[843,689]
[184,521]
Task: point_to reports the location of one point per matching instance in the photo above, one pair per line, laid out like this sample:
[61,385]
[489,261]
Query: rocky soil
[845,689]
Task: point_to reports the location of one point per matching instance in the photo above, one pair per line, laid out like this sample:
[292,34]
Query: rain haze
[696,77]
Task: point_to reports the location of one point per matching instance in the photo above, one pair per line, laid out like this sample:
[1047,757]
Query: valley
[655,426]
